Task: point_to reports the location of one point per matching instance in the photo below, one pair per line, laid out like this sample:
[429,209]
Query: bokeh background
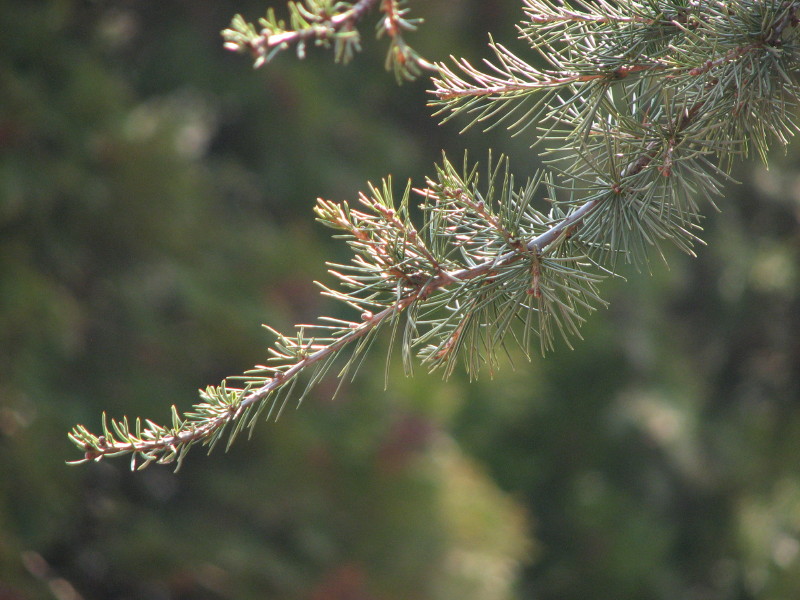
[155,209]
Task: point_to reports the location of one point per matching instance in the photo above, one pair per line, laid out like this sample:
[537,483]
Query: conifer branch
[409,271]
[644,109]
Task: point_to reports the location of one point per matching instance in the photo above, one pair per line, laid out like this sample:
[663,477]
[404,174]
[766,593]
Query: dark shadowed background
[156,200]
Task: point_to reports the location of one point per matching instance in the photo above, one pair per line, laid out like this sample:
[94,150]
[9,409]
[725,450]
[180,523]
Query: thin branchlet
[330,24]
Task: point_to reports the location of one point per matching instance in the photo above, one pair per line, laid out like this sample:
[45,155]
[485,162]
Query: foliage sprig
[642,111]
[483,257]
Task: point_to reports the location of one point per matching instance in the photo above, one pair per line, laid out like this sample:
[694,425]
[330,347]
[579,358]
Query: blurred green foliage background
[155,208]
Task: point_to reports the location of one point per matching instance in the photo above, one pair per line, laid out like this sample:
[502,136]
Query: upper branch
[705,49]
